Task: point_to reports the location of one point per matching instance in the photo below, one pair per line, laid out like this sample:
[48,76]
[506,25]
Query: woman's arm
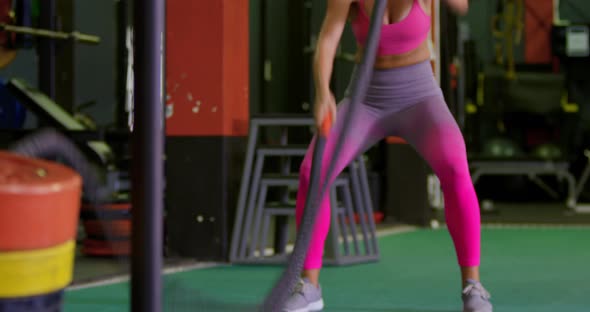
[458,6]
[327,44]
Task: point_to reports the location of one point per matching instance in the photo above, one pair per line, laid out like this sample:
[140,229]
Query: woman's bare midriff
[418,55]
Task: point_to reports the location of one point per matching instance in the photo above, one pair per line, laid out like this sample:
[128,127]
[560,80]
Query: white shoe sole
[316,306]
[312,307]
[482,311]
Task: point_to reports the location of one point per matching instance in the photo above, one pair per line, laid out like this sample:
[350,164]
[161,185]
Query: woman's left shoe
[476,298]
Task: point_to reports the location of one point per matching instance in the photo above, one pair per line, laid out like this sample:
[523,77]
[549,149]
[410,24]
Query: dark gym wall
[23,66]
[95,65]
[279,31]
[576,11]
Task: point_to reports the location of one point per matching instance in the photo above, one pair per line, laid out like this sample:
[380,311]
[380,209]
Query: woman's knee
[453,171]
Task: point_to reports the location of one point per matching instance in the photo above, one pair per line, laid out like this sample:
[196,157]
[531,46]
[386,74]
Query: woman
[403,100]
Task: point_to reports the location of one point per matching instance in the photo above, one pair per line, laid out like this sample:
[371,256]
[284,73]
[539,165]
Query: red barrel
[39,211]
[40,203]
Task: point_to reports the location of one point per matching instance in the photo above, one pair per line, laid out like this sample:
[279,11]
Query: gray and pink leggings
[405,102]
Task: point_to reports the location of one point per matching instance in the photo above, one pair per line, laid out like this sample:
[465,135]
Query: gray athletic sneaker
[476,298]
[305,298]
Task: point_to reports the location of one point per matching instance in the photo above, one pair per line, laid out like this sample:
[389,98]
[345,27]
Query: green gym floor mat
[525,269]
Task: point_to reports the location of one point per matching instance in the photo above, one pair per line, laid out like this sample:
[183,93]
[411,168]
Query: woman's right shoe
[305,298]
[476,298]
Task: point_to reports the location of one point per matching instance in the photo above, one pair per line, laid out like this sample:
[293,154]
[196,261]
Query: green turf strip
[526,270]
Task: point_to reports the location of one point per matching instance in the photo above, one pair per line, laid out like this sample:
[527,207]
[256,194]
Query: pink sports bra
[397,38]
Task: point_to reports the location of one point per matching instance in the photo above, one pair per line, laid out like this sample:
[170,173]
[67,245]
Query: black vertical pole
[46,50]
[65,56]
[264,55]
[56,58]
[148,151]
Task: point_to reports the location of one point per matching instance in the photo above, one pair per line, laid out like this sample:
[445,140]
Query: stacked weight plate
[108,229]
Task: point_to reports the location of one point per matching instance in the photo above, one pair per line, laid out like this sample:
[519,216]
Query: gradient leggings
[405,102]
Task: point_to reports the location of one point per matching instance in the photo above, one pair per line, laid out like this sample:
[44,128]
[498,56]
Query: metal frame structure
[253,210]
[532,169]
